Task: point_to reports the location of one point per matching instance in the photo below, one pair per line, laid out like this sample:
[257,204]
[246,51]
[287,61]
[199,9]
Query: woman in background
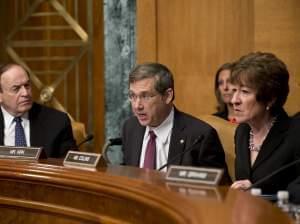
[266,139]
[223,92]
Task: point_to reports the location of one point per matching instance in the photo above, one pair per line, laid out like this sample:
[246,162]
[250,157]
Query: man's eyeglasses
[145,97]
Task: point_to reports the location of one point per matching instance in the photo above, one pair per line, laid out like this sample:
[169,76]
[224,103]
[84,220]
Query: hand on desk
[241,184]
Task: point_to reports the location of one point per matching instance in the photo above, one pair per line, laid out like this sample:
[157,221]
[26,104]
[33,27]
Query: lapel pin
[181,141]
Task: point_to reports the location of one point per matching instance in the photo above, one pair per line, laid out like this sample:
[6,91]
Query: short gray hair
[6,66]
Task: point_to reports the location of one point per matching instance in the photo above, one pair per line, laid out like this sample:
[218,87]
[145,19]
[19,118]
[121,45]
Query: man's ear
[169,95]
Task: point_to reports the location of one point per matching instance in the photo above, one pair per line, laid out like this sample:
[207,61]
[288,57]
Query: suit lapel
[273,140]
[244,150]
[36,131]
[178,139]
[137,144]
[1,128]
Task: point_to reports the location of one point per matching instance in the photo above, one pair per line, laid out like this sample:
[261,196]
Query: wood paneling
[98,76]
[277,30]
[81,94]
[194,37]
[47,192]
[146,23]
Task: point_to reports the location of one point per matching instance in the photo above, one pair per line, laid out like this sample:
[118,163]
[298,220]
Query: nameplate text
[203,175]
[84,160]
[22,153]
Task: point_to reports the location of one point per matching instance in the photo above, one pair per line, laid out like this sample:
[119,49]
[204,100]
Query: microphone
[115,141]
[275,172]
[87,139]
[110,142]
[197,140]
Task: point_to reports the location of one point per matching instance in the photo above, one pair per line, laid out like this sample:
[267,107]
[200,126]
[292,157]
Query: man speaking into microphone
[158,133]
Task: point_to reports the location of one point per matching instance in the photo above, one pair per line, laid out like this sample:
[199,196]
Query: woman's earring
[267,108]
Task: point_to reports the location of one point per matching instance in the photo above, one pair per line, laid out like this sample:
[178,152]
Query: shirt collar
[163,131]
[8,118]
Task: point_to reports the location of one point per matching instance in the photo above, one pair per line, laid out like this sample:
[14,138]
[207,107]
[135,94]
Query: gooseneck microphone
[275,172]
[197,140]
[115,141]
[110,142]
[87,139]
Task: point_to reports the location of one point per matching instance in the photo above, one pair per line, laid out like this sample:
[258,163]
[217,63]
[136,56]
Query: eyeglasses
[144,97]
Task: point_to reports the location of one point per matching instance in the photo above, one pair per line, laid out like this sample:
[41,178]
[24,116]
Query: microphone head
[89,137]
[115,141]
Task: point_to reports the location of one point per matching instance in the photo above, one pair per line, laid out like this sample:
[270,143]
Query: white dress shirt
[163,136]
[9,128]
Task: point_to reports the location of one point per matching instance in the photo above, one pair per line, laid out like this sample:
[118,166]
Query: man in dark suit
[151,93]
[41,126]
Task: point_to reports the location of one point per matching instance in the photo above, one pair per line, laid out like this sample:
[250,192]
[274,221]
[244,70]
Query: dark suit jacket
[222,114]
[208,152]
[49,128]
[294,191]
[280,147]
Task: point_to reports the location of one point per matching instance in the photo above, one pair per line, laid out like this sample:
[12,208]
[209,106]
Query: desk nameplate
[202,175]
[21,153]
[84,160]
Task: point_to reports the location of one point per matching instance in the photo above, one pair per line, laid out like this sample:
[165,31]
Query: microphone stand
[257,183]
[197,140]
[87,139]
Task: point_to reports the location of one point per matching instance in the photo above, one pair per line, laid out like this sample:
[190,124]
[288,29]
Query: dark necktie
[20,139]
[150,155]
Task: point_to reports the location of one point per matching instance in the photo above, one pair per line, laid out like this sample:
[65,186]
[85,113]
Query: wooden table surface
[48,192]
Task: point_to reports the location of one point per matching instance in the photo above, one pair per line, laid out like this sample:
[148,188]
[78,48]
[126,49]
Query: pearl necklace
[256,148]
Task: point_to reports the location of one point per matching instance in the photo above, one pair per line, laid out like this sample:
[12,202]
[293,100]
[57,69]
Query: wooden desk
[47,192]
